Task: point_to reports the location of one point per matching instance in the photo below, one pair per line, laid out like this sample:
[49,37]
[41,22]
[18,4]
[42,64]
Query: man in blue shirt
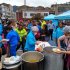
[13,38]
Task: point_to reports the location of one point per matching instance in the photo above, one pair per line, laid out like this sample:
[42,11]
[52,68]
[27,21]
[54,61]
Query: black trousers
[21,44]
[51,32]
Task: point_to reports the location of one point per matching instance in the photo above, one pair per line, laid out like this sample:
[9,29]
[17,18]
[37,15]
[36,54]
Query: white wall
[29,12]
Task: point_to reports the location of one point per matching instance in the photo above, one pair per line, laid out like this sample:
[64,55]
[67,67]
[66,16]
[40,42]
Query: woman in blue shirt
[31,40]
[59,31]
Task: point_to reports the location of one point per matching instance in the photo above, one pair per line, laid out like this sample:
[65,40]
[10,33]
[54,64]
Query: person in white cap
[31,40]
[65,37]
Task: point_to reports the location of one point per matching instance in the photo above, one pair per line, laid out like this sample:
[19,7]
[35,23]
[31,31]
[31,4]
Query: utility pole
[24,2]
[56,8]
[25,9]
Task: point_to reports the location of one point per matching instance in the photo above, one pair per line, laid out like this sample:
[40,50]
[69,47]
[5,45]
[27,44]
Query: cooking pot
[52,61]
[11,66]
[32,60]
[16,66]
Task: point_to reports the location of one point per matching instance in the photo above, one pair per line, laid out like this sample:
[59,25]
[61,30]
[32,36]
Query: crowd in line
[26,34]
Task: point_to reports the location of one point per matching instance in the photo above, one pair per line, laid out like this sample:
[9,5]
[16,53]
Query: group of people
[26,34]
[23,34]
[20,34]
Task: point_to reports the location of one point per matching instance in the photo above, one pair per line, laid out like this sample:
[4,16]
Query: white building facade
[30,14]
[7,11]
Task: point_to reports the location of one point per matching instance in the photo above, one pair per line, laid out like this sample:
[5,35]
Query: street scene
[34,35]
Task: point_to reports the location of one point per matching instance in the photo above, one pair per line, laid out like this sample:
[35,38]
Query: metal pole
[24,2]
[25,9]
[57,7]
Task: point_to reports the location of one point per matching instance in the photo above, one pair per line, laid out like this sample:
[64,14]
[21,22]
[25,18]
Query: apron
[68,55]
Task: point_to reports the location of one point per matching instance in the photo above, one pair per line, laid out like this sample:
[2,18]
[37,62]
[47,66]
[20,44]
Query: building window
[45,14]
[62,9]
[52,13]
[25,14]
[32,14]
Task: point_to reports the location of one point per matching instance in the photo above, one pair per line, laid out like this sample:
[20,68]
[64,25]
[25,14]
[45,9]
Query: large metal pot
[32,60]
[16,66]
[11,66]
[53,61]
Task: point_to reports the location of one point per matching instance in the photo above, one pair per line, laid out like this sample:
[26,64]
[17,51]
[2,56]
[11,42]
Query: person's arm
[66,52]
[60,39]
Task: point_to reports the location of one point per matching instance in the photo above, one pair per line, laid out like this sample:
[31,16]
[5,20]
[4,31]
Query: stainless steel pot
[53,61]
[12,66]
[32,60]
[16,66]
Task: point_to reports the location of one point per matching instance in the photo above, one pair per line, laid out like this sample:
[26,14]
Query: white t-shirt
[50,26]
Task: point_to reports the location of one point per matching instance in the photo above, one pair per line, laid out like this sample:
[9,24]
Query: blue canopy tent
[63,16]
[49,17]
[52,17]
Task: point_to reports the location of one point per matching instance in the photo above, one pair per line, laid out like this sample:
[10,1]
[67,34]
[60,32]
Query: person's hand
[4,40]
[40,49]
[38,42]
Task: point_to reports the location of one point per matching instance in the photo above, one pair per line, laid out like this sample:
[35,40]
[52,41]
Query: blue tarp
[49,17]
[65,15]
